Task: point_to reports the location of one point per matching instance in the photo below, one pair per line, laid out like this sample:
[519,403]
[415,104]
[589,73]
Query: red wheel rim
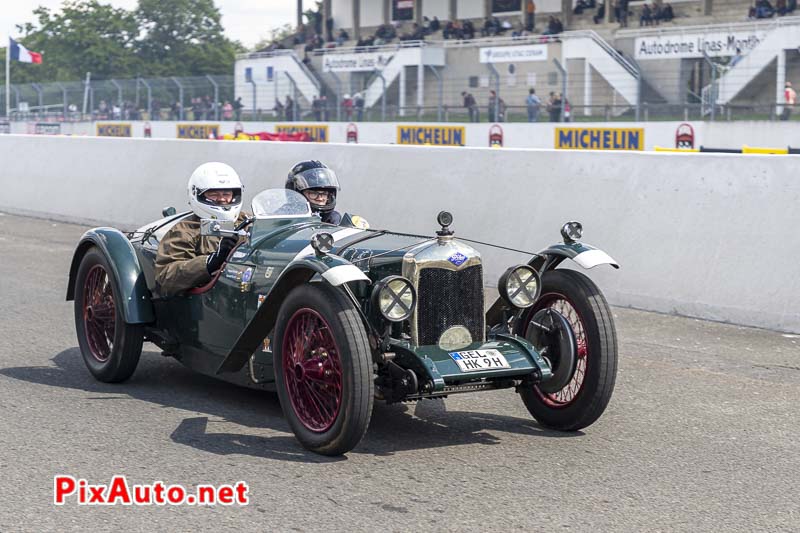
[312,370]
[99,313]
[568,394]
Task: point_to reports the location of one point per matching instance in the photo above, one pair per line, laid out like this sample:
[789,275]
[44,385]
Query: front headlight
[520,286]
[394,297]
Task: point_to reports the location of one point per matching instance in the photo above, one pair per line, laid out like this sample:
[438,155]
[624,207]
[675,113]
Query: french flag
[22,54]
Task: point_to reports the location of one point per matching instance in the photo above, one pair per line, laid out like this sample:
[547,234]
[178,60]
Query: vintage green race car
[335,317]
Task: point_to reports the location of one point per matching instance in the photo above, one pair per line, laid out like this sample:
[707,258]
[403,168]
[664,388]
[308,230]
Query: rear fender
[330,269]
[127,272]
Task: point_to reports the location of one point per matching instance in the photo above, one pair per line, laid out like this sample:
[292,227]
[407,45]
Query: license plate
[478,360]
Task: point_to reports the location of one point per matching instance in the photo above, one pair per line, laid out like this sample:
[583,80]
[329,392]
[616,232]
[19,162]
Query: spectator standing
[347,105]
[533,104]
[289,109]
[646,19]
[472,106]
[554,107]
[789,98]
[530,15]
[316,109]
[278,108]
[496,107]
[435,24]
[237,109]
[323,103]
[358,104]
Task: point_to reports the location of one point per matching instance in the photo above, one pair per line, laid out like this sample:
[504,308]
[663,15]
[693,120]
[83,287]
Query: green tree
[84,36]
[184,38]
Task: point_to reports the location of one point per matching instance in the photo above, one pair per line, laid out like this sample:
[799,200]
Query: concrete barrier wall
[515,135]
[704,235]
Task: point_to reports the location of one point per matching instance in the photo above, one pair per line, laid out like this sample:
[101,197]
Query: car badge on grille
[457,259]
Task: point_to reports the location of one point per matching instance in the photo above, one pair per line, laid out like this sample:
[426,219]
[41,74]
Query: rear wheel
[323,369]
[581,345]
[110,347]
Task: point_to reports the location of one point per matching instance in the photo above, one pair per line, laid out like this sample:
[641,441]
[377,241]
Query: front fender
[585,255]
[329,268]
[118,250]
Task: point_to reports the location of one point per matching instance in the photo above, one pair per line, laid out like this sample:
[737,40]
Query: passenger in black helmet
[319,185]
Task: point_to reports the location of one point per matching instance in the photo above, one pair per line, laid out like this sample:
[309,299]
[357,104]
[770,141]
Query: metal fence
[185,98]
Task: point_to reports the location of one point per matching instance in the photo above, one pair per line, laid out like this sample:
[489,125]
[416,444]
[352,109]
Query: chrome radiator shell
[464,301]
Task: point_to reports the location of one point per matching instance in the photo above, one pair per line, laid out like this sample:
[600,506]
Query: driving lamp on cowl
[572,231]
[394,297]
[520,286]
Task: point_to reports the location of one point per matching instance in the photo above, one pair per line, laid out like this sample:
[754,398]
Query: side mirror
[210,227]
[168,212]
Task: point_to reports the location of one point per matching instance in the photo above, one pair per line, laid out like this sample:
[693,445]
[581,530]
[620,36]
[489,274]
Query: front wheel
[111,348]
[586,374]
[323,369]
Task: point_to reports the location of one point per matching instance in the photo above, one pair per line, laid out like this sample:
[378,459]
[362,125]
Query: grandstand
[407,60]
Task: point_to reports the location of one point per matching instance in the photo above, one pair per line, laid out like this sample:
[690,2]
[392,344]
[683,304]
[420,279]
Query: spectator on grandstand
[751,13]
[347,105]
[530,15]
[468,29]
[601,13]
[782,7]
[237,109]
[300,36]
[435,24]
[176,111]
[646,19]
[554,26]
[416,34]
[621,13]
[496,107]
[472,106]
[386,32]
[533,103]
[790,99]
[358,105]
[764,9]
[489,28]
[665,13]
[342,37]
[583,5]
[329,28]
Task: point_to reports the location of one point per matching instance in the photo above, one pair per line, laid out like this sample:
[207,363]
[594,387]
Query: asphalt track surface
[702,434]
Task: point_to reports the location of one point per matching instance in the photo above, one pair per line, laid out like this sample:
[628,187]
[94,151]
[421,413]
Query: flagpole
[8,78]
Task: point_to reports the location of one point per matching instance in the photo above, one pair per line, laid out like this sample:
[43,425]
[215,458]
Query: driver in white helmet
[185,258]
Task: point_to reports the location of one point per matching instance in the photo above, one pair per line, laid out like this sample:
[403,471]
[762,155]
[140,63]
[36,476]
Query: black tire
[341,417]
[114,361]
[581,402]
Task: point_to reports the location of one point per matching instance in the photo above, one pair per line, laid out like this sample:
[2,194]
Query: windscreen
[280,203]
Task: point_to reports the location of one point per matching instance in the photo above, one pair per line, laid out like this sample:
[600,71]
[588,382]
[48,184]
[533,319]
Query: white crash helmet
[209,176]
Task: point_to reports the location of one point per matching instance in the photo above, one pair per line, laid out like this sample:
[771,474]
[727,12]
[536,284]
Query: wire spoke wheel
[323,369]
[313,366]
[569,392]
[99,313]
[110,347]
[586,392]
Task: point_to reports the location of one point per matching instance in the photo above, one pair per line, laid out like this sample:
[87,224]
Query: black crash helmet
[314,175]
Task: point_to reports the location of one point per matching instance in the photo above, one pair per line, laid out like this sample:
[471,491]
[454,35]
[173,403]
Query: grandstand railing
[759,25]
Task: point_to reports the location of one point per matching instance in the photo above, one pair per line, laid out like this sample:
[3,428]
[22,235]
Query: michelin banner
[198,131]
[114,129]
[599,138]
[431,135]
[692,45]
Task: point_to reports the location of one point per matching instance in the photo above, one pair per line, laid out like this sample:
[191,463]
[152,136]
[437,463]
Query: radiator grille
[449,298]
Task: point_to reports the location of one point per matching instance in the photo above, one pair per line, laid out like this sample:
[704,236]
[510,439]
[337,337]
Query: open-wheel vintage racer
[335,317]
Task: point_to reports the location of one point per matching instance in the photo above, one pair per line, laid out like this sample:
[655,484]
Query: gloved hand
[216,259]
